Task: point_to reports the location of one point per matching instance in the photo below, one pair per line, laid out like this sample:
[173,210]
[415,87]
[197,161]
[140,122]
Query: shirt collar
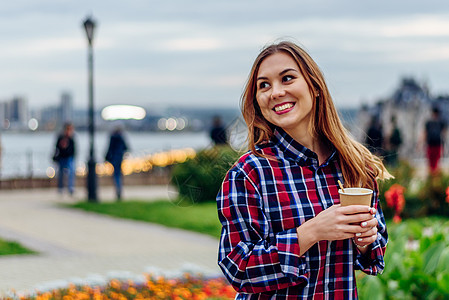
[295,151]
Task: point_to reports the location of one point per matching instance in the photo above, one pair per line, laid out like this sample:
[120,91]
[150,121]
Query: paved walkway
[76,246]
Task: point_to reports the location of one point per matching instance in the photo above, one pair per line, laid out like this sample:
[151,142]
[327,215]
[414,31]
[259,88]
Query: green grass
[201,217]
[11,248]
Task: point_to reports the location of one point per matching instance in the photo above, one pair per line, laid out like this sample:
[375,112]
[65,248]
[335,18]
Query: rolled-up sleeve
[372,262]
[253,259]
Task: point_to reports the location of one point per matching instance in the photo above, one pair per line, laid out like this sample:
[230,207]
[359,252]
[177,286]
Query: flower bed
[187,287]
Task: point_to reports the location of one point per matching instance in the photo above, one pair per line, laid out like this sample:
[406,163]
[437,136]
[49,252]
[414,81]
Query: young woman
[284,234]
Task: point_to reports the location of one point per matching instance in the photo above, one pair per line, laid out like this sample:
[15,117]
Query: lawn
[11,248]
[200,217]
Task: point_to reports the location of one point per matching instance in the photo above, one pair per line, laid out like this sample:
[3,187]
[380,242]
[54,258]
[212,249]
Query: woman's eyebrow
[288,70]
[280,74]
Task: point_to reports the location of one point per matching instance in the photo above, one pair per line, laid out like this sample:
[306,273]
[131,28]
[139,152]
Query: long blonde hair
[358,165]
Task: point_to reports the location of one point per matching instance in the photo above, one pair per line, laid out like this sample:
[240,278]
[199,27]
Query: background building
[18,112]
[411,104]
[66,107]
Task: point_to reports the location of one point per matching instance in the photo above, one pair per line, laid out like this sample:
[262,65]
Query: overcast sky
[199,52]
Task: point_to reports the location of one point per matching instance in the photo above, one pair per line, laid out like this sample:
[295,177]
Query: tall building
[18,112]
[3,115]
[66,107]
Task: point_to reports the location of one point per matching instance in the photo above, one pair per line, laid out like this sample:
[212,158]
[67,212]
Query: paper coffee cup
[358,196]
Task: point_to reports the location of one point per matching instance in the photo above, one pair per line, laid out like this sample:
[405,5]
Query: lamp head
[89,26]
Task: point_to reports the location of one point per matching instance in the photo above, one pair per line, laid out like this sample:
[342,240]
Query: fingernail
[364,224]
[358,234]
[359,240]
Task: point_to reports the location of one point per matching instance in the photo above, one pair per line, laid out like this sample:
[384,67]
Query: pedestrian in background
[116,150]
[64,156]
[218,133]
[375,137]
[435,131]
[394,143]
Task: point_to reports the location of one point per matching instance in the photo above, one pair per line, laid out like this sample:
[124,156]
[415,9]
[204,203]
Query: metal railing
[24,164]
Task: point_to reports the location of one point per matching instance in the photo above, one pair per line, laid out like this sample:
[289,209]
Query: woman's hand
[339,223]
[344,222]
[367,236]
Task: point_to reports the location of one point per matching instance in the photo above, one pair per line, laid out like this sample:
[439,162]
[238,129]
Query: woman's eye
[287,78]
[263,85]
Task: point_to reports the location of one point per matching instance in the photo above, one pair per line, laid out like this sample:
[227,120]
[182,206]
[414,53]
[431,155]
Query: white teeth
[283,107]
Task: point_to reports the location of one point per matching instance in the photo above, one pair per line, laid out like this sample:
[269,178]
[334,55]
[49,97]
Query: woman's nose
[277,91]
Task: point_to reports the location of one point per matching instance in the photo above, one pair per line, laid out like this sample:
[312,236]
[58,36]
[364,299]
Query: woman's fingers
[366,228]
[361,218]
[370,232]
[355,209]
[361,241]
[369,224]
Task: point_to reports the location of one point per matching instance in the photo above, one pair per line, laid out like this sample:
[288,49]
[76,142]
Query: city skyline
[182,53]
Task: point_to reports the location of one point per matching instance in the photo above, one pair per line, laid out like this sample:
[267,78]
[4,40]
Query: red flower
[397,219]
[395,199]
[447,194]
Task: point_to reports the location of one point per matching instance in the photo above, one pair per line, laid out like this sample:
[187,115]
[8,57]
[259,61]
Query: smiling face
[283,95]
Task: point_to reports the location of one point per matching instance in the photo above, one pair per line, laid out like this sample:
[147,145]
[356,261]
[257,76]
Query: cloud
[149,80]
[191,44]
[41,47]
[419,26]
[204,49]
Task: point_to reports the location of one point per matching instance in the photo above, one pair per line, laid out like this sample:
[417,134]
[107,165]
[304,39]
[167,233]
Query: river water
[29,154]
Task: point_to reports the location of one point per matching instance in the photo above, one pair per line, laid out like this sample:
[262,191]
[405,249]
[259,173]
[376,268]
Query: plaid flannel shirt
[260,205]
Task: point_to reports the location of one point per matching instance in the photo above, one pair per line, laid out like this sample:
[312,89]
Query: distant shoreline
[154,177]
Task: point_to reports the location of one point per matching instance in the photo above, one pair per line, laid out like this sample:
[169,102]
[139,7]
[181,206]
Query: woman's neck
[319,145]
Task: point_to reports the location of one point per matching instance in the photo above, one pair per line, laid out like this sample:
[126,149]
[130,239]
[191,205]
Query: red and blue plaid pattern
[261,203]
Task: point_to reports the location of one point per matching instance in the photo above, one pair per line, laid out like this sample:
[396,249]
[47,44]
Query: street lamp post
[89,26]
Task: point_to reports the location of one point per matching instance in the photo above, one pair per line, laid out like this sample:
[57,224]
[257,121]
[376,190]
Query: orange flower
[132,290]
[189,287]
[447,194]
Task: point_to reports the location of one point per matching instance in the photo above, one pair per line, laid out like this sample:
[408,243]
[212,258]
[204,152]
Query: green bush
[199,179]
[416,263]
[422,197]
[433,195]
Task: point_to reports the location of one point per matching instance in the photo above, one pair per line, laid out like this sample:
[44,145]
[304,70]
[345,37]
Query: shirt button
[330,285]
